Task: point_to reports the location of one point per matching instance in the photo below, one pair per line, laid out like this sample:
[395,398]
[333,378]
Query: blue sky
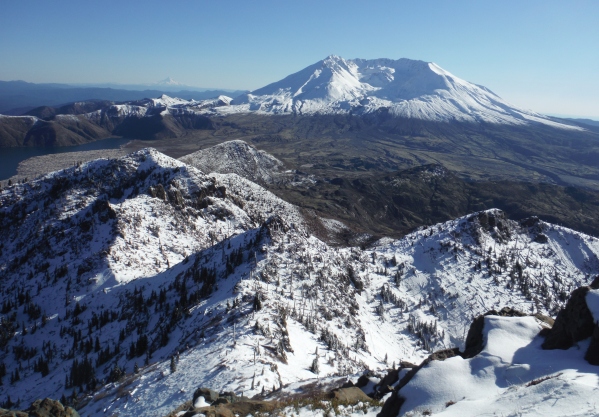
[538,54]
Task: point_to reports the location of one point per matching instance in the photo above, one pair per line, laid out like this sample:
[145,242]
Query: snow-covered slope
[513,375]
[404,87]
[239,158]
[118,263]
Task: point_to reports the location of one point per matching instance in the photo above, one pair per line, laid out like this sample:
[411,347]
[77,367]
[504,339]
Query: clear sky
[538,54]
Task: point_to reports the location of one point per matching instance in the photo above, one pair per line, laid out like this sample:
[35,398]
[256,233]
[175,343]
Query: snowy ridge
[166,101]
[239,158]
[125,262]
[31,119]
[311,303]
[163,105]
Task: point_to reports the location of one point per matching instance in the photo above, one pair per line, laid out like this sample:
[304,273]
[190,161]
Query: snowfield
[119,265]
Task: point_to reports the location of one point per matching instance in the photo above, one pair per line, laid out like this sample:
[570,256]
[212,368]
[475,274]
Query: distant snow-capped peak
[168,81]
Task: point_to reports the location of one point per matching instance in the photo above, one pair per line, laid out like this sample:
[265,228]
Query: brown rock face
[246,407]
[351,395]
[42,408]
[50,408]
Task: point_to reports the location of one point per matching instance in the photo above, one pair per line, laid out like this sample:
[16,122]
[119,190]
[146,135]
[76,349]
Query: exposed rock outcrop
[42,408]
[573,323]
[209,395]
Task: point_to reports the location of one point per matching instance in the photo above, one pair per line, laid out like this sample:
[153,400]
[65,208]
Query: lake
[10,157]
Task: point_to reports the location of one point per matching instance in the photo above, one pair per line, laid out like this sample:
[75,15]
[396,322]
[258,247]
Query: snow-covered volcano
[404,87]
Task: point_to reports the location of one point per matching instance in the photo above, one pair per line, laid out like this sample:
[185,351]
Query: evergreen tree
[173,365]
[115,374]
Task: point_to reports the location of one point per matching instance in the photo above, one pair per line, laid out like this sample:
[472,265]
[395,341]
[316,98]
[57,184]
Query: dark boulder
[365,380]
[474,339]
[573,323]
[362,381]
[221,400]
[229,396]
[348,384]
[158,192]
[385,386]
[392,405]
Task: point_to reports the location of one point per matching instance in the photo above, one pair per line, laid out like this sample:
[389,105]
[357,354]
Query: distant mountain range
[18,97]
[166,85]
[401,88]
